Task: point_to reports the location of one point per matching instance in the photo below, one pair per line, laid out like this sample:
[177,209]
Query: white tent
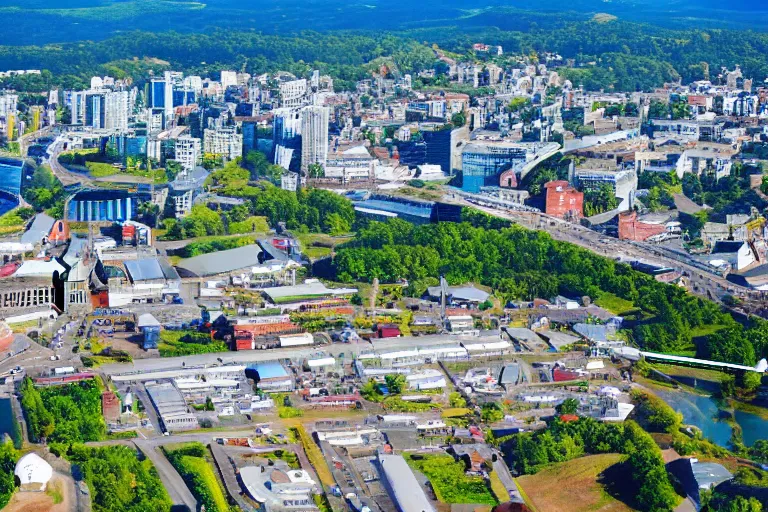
[33,472]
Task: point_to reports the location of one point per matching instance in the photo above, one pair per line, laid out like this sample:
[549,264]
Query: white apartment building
[188,152]
[293,93]
[228,78]
[314,136]
[116,110]
[101,109]
[8,109]
[223,141]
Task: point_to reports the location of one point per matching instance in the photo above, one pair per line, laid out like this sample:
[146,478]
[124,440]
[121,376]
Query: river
[10,181]
[707,414]
[8,423]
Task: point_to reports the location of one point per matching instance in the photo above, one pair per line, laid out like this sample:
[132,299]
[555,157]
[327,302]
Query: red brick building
[563,200]
[110,407]
[508,179]
[632,229]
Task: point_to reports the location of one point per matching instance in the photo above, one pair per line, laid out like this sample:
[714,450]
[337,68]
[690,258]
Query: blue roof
[269,369]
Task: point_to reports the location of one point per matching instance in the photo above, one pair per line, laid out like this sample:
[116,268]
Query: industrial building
[171,407]
[402,485]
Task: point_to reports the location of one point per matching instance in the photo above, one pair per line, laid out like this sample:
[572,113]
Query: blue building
[482,164]
[130,145]
[104,205]
[183,97]
[150,329]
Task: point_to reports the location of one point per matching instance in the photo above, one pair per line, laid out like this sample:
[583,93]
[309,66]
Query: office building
[8,113]
[225,142]
[101,109]
[101,205]
[293,93]
[483,162]
[314,136]
[286,137]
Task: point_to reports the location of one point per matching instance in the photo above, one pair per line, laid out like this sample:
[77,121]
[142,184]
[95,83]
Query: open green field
[576,486]
[613,303]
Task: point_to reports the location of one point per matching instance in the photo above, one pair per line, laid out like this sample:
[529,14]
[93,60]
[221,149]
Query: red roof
[567,418]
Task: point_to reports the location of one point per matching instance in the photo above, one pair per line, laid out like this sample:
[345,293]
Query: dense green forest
[118,480]
[610,54]
[519,264]
[63,414]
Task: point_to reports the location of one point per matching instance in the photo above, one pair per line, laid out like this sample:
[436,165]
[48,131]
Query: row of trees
[522,265]
[8,457]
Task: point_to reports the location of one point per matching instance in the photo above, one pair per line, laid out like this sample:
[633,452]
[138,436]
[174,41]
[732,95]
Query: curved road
[67,177]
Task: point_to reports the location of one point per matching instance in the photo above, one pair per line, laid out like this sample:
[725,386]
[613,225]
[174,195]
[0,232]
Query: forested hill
[610,55]
[46,21]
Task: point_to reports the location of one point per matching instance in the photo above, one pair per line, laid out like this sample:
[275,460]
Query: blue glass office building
[483,163]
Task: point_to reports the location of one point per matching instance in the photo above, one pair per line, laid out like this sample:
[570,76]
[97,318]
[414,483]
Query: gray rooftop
[592,332]
[39,229]
[462,293]
[403,486]
[709,474]
[150,269]
[223,261]
[307,289]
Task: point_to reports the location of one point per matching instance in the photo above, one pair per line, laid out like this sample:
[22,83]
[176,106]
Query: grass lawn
[692,373]
[613,303]
[705,330]
[315,253]
[101,170]
[574,486]
[252,224]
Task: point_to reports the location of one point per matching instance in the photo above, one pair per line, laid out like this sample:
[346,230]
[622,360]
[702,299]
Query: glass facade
[483,164]
[158,94]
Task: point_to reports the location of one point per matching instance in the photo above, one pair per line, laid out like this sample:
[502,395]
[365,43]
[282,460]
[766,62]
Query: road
[66,177]
[502,471]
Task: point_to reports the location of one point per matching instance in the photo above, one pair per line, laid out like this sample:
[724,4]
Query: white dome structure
[33,472]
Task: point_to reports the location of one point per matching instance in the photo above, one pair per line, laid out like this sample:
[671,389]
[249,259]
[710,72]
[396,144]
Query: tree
[395,383]
[491,412]
[458,119]
[8,458]
[315,171]
[658,110]
[456,400]
[172,169]
[568,406]
[600,200]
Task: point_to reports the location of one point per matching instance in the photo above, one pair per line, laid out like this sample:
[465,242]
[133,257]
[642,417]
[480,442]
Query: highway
[701,280]
[66,177]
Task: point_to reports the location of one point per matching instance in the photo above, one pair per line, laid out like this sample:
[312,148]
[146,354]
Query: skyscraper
[314,136]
